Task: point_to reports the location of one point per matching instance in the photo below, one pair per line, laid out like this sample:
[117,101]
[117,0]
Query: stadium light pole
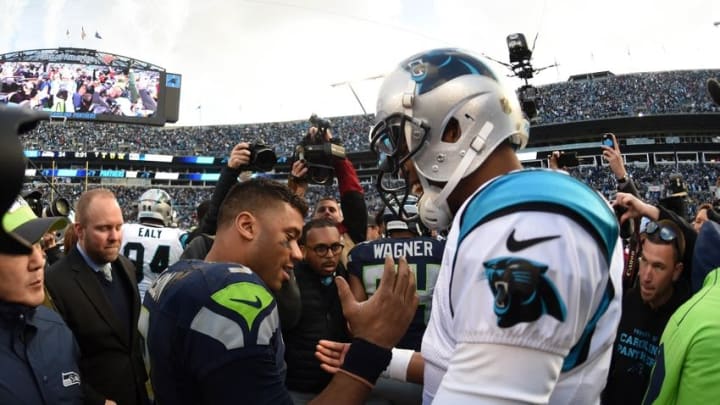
[349,84]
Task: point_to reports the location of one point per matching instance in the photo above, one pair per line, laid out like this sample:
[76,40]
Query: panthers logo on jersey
[522,291]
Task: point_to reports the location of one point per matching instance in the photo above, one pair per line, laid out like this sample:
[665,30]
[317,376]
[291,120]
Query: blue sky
[258,61]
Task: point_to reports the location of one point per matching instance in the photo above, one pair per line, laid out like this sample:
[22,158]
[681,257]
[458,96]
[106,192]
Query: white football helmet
[155,204]
[424,95]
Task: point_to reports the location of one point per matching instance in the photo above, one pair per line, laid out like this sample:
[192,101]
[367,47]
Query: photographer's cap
[23,228]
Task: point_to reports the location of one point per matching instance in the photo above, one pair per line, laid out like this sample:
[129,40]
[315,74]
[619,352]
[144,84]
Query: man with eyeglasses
[350,213]
[321,314]
[646,309]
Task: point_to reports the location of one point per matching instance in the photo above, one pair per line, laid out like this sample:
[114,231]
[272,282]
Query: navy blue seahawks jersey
[424,255]
[212,335]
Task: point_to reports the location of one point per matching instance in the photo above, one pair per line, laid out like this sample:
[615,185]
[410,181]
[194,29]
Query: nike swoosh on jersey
[255,304]
[515,245]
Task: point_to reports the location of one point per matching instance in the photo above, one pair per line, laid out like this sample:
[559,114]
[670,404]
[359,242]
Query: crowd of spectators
[611,96]
[649,93]
[651,181]
[211,140]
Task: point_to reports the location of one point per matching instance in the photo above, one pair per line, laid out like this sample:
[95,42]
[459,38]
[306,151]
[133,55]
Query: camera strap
[631,263]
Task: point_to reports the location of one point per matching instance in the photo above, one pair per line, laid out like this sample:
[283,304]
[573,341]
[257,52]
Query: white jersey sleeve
[154,248]
[537,279]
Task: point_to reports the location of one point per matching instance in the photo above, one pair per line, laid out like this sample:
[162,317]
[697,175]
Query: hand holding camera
[318,150]
[567,159]
[252,156]
[562,160]
[611,153]
[239,156]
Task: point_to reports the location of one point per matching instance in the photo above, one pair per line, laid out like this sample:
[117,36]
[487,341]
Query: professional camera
[59,207]
[262,157]
[322,126]
[318,154]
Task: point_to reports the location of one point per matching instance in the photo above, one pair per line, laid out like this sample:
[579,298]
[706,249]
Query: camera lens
[263,159]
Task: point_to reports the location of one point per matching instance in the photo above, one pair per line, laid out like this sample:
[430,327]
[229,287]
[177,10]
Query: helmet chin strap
[433,207]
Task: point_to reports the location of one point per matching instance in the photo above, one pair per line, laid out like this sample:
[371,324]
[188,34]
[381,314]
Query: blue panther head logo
[434,68]
[522,291]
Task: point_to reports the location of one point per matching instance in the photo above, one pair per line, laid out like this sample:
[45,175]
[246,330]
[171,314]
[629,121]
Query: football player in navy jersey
[423,253]
[212,328]
[365,265]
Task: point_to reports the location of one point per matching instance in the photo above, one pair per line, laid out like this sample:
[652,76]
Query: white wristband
[397,369]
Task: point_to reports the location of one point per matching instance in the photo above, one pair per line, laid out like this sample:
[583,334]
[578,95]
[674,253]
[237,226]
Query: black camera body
[319,154]
[262,157]
[322,124]
[569,159]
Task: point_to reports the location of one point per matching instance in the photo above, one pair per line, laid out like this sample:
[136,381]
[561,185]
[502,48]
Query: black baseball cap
[22,225]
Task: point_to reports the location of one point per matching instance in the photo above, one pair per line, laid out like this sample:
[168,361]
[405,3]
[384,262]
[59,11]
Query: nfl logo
[70,378]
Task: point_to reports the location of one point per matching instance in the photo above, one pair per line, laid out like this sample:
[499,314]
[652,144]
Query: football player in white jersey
[527,300]
[152,244]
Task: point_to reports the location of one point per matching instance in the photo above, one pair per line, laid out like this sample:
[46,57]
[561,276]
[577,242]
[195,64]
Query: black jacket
[111,363]
[321,318]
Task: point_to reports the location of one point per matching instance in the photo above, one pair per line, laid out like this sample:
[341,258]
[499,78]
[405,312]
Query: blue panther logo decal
[522,291]
[435,68]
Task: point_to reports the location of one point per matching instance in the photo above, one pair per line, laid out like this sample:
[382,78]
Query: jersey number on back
[159,262]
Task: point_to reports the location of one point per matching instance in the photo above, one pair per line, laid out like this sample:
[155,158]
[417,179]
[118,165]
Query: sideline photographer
[243,156]
[350,215]
[239,159]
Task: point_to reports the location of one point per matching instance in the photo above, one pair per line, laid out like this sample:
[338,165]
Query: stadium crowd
[613,96]
[651,181]
[648,93]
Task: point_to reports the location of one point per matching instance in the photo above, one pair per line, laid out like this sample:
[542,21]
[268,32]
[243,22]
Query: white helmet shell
[440,90]
[156,204]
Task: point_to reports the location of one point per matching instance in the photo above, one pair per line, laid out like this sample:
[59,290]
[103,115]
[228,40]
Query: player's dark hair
[255,196]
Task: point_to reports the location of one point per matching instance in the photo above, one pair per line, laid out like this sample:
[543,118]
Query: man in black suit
[95,291]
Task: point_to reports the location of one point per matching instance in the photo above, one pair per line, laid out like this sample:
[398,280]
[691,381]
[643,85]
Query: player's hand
[239,156]
[636,207]
[384,318]
[331,354]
